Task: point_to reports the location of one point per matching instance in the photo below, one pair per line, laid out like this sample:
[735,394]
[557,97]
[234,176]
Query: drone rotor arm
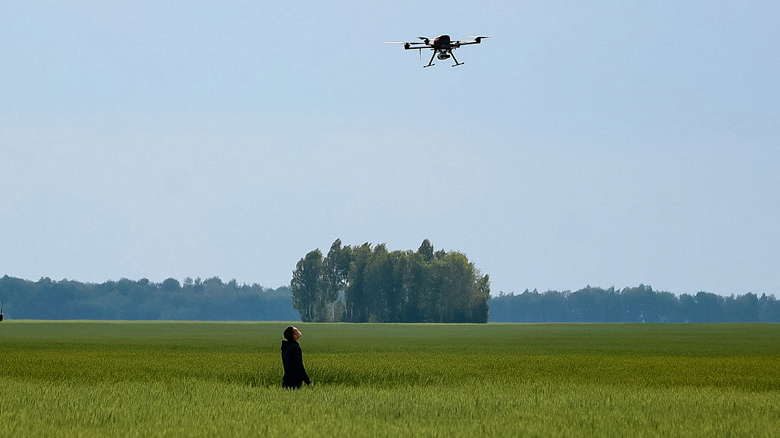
[411,46]
[477,40]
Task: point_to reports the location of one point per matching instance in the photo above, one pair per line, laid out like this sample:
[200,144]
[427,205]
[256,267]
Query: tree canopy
[636,304]
[197,299]
[368,283]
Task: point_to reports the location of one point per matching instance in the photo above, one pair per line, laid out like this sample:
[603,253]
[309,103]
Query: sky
[603,143]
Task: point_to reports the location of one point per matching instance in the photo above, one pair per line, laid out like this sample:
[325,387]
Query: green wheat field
[84,378]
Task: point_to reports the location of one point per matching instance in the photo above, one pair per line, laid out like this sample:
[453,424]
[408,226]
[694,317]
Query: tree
[417,285]
[335,281]
[742,308]
[170,285]
[426,251]
[455,281]
[355,299]
[376,287]
[768,309]
[478,305]
[399,287]
[306,284]
[709,307]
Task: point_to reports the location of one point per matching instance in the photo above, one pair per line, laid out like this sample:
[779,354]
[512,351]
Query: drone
[442,47]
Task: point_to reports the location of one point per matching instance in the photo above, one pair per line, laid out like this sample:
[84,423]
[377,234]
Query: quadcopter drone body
[442,47]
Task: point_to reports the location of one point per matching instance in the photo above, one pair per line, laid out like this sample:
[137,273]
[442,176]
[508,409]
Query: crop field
[223,379]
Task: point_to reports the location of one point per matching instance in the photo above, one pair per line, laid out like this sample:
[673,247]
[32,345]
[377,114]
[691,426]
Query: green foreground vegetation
[173,379]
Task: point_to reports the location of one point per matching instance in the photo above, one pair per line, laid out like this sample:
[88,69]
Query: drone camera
[443,56]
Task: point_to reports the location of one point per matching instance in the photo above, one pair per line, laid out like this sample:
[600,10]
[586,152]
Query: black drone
[442,46]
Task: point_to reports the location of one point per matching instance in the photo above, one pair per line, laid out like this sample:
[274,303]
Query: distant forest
[204,300]
[637,304]
[214,300]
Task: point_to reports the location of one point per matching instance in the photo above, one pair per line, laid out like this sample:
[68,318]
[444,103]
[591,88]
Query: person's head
[292,333]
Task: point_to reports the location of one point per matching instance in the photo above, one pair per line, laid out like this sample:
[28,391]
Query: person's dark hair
[288,333]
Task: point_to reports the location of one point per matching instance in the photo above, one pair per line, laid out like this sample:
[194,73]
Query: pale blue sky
[608,143]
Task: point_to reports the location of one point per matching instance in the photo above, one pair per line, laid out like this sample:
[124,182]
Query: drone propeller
[407,46]
[478,39]
[426,40]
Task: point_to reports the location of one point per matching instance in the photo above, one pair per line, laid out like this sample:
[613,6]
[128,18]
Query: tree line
[212,299]
[197,299]
[368,283]
[637,304]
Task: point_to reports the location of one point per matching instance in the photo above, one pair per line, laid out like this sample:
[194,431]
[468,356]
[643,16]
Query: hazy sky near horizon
[606,143]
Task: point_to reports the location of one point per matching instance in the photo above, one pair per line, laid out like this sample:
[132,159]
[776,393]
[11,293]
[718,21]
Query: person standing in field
[292,360]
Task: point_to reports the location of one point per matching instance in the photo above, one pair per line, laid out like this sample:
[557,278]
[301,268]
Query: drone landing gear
[442,56]
[456,61]
[430,63]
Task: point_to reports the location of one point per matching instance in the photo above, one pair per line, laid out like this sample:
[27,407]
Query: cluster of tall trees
[371,284]
[637,304]
[197,299]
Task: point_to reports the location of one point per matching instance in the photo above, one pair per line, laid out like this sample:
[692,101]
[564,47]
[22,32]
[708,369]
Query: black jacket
[292,359]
